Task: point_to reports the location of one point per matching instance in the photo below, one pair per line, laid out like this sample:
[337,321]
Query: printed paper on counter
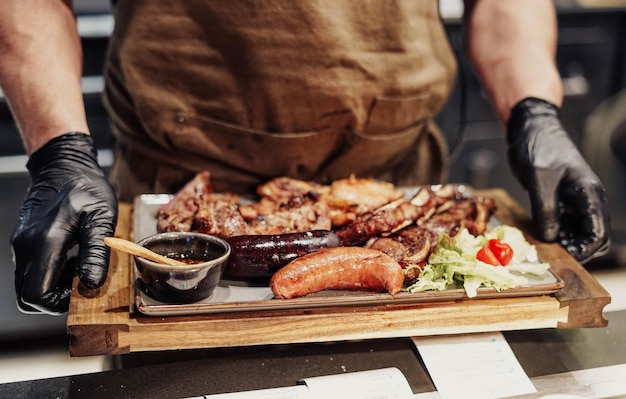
[473,365]
[387,383]
[293,392]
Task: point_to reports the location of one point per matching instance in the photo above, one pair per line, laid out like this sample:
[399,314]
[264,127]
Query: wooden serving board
[104,321]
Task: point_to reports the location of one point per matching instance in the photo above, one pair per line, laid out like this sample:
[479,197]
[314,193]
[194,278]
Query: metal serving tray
[237,296]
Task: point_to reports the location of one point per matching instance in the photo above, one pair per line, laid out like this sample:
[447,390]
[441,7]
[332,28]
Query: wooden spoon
[136,249]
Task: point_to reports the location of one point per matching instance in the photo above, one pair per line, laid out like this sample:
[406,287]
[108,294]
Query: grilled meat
[178,213]
[291,217]
[384,220]
[410,247]
[472,213]
[362,211]
[218,214]
[351,197]
[342,268]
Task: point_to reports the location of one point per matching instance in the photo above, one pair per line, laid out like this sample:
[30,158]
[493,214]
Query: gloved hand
[69,202]
[567,198]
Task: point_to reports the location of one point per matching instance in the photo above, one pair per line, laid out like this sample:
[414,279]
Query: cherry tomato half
[501,250]
[485,255]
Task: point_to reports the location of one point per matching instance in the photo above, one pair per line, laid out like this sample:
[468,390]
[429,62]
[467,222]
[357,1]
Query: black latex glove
[567,198]
[69,202]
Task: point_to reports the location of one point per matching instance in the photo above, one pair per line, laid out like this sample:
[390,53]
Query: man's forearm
[40,69]
[512,46]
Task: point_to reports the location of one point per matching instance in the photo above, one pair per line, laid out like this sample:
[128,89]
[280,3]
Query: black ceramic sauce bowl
[186,283]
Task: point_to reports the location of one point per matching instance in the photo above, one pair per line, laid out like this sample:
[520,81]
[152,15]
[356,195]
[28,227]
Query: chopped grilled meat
[195,208]
[225,217]
[282,189]
[178,213]
[346,198]
[218,214]
[292,218]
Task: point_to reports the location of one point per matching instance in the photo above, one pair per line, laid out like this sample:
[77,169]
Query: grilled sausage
[345,268]
[258,257]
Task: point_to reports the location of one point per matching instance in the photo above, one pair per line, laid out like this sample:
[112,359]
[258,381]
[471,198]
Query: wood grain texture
[582,292]
[104,322]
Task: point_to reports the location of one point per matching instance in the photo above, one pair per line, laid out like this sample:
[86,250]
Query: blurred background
[592,63]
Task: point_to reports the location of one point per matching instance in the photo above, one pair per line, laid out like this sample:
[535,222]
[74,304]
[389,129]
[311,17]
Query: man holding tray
[315,90]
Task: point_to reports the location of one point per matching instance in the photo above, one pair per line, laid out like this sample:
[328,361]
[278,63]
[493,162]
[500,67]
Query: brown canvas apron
[250,90]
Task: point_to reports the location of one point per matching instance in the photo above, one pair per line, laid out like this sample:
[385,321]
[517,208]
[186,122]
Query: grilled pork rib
[412,245]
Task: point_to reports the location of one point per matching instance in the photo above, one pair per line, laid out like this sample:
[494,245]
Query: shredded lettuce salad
[453,263]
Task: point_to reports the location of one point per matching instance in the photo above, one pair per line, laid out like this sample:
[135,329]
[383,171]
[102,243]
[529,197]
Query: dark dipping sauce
[186,258]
